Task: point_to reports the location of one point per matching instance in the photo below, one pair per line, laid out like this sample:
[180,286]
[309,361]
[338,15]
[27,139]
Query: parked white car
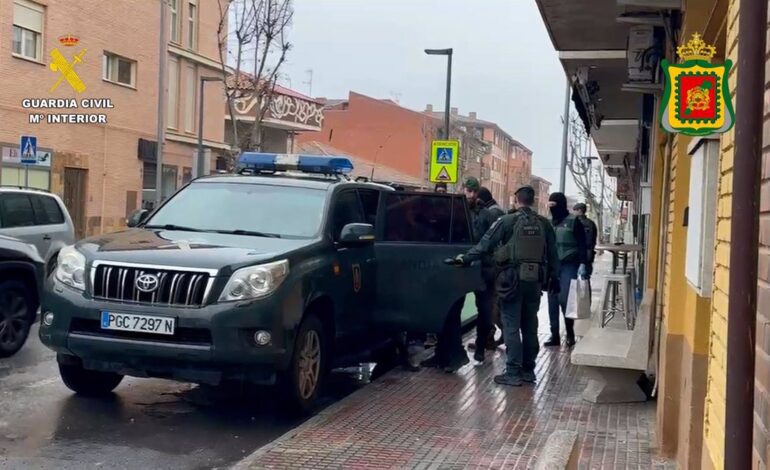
[38,218]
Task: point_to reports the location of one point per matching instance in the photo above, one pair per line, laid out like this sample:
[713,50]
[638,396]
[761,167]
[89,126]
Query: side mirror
[357,234]
[137,217]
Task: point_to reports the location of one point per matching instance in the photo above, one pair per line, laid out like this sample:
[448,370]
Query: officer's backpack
[527,247]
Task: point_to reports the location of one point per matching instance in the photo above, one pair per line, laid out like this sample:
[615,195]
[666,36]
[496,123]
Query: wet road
[146,424]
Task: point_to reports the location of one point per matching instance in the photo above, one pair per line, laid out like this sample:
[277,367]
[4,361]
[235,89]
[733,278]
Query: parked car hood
[187,249]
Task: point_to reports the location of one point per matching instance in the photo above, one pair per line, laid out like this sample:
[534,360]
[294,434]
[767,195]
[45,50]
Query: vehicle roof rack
[255,163]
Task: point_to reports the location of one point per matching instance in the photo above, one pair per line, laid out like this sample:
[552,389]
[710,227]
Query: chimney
[429,108]
[454,111]
[472,115]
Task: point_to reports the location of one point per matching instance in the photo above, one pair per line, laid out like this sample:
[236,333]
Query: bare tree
[253,44]
[601,196]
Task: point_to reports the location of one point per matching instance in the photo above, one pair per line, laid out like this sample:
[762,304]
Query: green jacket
[501,232]
[482,220]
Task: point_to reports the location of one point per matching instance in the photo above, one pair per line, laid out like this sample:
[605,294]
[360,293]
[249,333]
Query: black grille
[197,336]
[178,288]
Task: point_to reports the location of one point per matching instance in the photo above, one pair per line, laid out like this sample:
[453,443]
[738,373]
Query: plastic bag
[578,300]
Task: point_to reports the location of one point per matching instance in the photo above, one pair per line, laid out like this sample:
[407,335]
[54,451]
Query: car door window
[417,218]
[370,199]
[347,210]
[47,211]
[461,231]
[16,210]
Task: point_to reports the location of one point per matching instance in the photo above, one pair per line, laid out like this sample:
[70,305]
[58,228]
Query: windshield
[287,212]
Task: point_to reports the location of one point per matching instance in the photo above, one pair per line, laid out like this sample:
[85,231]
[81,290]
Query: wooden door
[75,198]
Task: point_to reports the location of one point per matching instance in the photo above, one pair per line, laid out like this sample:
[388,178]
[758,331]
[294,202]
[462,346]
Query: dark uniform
[571,247]
[485,213]
[524,248]
[591,237]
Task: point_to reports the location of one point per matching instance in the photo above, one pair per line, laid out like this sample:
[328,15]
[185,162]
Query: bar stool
[617,297]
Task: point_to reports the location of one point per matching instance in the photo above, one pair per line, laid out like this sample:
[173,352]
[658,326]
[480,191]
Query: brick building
[504,164]
[105,170]
[542,191]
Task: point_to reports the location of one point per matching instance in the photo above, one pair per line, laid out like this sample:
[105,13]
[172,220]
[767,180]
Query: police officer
[570,242]
[524,247]
[589,226]
[487,212]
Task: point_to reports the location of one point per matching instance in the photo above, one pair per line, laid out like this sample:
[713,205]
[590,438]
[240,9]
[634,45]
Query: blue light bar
[284,162]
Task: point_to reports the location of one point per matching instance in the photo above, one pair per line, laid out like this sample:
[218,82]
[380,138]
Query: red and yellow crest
[697,98]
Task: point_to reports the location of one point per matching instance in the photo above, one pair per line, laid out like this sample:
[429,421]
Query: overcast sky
[505,66]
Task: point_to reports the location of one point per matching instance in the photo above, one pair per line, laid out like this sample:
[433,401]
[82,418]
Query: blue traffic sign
[28,149]
[444,155]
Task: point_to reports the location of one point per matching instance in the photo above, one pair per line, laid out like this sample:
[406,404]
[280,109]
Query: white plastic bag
[578,300]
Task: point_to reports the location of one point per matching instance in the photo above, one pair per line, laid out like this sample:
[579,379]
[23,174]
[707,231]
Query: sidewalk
[434,420]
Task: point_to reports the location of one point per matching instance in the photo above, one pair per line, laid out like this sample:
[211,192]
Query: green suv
[264,276]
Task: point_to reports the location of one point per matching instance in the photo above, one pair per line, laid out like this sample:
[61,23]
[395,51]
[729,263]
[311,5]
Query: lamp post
[448,53]
[200,167]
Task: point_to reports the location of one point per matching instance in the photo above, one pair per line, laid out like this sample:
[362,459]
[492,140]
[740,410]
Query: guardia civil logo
[697,98]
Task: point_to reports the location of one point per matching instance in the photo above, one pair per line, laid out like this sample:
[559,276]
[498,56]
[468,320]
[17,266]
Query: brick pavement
[433,420]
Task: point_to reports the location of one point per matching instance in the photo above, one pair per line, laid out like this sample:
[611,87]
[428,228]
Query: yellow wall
[714,422]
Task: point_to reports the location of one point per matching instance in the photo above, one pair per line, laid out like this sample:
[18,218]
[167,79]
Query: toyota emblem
[147,283]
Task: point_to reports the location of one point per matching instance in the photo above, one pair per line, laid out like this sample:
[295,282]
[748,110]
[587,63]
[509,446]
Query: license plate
[138,323]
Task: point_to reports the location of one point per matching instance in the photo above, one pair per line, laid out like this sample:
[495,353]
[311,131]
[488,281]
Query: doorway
[75,198]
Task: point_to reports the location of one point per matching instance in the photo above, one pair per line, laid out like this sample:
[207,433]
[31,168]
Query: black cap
[580,207]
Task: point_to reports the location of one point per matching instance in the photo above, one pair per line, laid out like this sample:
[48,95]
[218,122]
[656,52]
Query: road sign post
[28,151]
[445,156]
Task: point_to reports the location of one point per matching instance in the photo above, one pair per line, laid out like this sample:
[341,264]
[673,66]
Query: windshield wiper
[249,233]
[180,228]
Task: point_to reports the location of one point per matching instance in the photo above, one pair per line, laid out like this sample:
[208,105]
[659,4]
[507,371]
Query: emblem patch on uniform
[697,98]
[356,278]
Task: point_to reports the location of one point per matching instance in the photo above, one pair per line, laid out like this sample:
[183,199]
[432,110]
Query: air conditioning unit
[643,54]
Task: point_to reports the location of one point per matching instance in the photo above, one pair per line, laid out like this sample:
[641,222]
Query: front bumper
[211,344]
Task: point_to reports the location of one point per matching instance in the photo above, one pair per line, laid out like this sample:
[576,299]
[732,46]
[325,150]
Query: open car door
[415,233]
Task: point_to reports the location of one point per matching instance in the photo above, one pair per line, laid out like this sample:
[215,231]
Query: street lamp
[200,167]
[448,53]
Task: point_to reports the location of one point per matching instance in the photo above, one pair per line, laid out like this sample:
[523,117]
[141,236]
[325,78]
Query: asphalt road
[146,424]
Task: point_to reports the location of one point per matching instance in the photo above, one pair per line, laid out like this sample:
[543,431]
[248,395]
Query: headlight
[255,282]
[71,268]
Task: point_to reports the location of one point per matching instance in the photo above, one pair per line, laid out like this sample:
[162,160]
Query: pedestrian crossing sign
[443,161]
[28,149]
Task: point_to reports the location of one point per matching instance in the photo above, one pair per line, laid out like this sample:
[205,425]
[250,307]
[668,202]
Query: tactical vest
[566,243]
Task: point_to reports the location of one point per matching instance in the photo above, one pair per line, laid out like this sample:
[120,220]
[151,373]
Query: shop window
[701,221]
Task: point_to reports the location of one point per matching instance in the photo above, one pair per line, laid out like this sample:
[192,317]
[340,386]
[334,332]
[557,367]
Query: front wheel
[17,310]
[308,366]
[88,382]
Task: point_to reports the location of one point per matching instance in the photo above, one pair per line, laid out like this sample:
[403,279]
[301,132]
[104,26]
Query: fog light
[48,319]
[262,338]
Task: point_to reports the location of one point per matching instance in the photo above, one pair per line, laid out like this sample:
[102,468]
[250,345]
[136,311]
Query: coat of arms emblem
[696,100]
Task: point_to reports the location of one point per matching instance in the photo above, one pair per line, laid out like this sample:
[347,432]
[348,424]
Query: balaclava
[559,209]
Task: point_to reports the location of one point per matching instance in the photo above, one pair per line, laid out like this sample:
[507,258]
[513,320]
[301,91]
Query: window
[186,174]
[28,29]
[221,206]
[189,102]
[192,24]
[16,211]
[461,231]
[47,211]
[172,105]
[117,69]
[417,218]
[347,210]
[174,7]
[370,199]
[701,223]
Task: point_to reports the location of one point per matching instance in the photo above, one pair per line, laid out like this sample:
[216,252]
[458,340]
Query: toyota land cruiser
[267,275]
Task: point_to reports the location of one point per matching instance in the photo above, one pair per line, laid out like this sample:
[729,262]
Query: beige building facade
[104,77]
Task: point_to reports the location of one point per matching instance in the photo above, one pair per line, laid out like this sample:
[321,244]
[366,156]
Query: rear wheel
[308,366]
[17,312]
[87,382]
